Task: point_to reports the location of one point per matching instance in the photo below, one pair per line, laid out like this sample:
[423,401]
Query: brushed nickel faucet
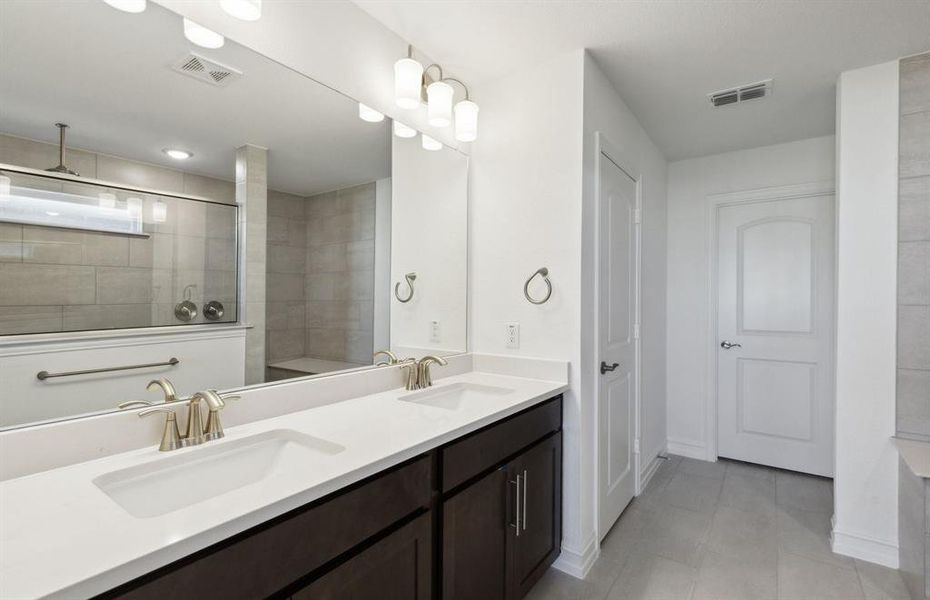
[418,373]
[391,358]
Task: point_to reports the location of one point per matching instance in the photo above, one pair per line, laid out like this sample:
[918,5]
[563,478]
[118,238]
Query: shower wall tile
[123,285]
[914,159]
[914,337]
[29,319]
[218,190]
[284,344]
[52,246]
[46,285]
[130,172]
[43,155]
[915,84]
[11,242]
[287,259]
[326,343]
[913,393]
[106,250]
[914,209]
[914,273]
[106,316]
[286,286]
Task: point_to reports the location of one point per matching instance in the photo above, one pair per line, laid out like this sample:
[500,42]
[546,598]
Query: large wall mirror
[212,217]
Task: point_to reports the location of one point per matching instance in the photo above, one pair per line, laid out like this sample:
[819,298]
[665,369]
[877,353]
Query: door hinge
[635,331]
[636,446]
[637,216]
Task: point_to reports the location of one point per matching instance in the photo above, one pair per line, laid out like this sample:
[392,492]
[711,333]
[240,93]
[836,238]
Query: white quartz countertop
[916,455]
[62,537]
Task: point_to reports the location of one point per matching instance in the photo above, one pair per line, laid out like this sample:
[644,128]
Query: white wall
[689,341]
[525,213]
[605,111]
[429,236]
[865,488]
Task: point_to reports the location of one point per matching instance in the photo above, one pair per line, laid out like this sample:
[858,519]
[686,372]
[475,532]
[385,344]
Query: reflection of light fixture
[367,113]
[134,207]
[403,131]
[429,143]
[52,213]
[6,186]
[247,10]
[439,103]
[408,79]
[200,35]
[466,121]
[106,200]
[178,154]
[159,211]
[130,6]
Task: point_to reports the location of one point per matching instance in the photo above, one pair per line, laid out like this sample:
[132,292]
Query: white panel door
[775,333]
[617,310]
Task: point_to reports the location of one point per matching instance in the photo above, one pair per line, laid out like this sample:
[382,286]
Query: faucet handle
[214,428]
[133,404]
[171,436]
[167,388]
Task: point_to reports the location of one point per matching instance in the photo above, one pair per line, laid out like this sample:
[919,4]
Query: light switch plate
[512,335]
[435,331]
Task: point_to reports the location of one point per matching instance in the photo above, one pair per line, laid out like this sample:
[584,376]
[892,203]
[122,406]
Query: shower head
[61,168]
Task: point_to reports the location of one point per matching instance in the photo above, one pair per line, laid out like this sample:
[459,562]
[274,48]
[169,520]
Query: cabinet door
[474,541]
[396,568]
[535,542]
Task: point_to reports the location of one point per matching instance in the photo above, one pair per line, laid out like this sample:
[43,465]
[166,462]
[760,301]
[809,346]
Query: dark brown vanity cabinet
[476,519]
[502,529]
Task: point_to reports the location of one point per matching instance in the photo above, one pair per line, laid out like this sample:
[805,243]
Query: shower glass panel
[112,258]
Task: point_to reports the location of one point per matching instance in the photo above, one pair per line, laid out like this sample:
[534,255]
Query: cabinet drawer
[488,447]
[263,560]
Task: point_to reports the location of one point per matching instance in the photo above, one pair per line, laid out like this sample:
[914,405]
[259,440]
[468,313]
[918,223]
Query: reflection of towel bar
[544,273]
[410,277]
[43,375]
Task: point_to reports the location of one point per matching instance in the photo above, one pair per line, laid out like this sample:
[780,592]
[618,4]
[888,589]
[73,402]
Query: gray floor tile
[649,577]
[674,533]
[881,583]
[736,578]
[806,492]
[736,533]
[747,492]
[556,585]
[807,533]
[735,467]
[702,468]
[800,578]
[692,492]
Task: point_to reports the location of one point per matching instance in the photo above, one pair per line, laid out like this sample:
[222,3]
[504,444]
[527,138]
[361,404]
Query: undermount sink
[175,482]
[455,396]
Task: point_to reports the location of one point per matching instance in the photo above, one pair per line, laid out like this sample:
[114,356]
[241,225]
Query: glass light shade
[408,78]
[106,200]
[429,143]
[466,121]
[439,103]
[367,113]
[159,211]
[403,131]
[200,35]
[130,6]
[6,186]
[247,10]
[177,154]
[134,207]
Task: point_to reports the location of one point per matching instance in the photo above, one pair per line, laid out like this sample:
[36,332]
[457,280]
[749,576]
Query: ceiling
[107,73]
[664,57]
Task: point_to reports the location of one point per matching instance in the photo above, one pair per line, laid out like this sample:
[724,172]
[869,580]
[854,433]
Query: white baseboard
[577,564]
[646,476]
[687,449]
[864,548]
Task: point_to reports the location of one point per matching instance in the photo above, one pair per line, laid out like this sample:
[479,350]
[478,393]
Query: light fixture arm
[426,72]
[458,81]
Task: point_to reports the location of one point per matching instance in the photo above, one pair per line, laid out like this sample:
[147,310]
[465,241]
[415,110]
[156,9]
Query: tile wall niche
[321,275]
[56,280]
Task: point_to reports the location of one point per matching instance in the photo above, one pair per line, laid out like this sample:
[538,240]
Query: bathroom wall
[866,463]
[340,274]
[286,308]
[913,379]
[60,279]
[689,183]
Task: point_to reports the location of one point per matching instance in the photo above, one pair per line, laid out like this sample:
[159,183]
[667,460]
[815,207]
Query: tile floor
[725,531]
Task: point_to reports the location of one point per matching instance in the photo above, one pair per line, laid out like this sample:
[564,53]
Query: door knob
[605,367]
[726,345]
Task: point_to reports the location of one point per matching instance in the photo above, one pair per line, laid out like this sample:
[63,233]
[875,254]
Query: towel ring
[410,277]
[544,273]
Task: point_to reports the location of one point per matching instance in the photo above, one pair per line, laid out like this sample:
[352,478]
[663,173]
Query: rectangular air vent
[206,70]
[742,93]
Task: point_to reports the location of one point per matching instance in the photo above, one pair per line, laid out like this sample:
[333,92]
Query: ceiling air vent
[205,70]
[743,93]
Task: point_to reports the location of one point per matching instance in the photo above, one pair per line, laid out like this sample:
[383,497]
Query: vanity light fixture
[177,154]
[404,131]
[408,81]
[159,211]
[439,103]
[130,6]
[201,36]
[466,121]
[247,10]
[6,186]
[429,143]
[367,113]
[134,207]
[106,200]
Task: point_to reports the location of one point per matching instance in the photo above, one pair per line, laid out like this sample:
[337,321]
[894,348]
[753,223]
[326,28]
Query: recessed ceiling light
[130,6]
[247,10]
[177,154]
[367,113]
[200,35]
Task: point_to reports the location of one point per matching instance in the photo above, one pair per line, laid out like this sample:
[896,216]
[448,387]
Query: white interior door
[775,333]
[617,340]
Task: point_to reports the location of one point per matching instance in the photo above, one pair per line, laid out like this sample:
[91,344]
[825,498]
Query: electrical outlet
[512,335]
[435,331]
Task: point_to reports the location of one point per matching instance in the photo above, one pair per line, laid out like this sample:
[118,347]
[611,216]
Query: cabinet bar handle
[43,375]
[516,524]
[524,499]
